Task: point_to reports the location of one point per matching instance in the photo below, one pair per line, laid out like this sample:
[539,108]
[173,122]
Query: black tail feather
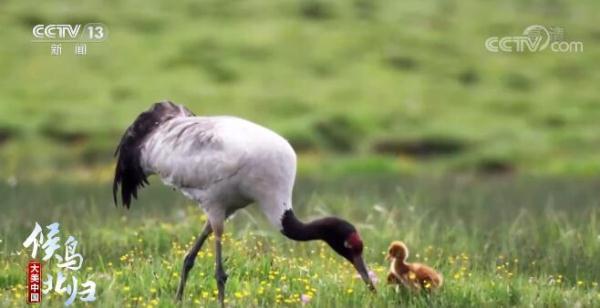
[128,171]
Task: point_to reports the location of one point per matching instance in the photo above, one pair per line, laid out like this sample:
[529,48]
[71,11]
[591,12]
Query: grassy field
[399,81]
[500,242]
[486,164]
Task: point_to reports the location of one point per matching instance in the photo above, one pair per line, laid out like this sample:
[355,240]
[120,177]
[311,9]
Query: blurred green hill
[363,85]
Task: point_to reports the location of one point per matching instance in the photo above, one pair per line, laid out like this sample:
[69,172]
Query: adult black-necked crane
[223,163]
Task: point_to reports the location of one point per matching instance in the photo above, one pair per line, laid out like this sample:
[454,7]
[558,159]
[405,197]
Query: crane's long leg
[190,257]
[220,274]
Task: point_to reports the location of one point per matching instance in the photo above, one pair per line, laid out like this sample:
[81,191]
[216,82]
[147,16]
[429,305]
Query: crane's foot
[188,263]
[221,280]
[179,295]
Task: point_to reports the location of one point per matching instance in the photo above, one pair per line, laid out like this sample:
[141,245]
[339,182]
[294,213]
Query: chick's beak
[361,268]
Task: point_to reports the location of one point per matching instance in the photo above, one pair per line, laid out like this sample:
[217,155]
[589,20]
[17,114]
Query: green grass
[500,242]
[395,108]
[332,76]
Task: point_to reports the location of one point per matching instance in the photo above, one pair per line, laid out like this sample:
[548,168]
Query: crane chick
[413,276]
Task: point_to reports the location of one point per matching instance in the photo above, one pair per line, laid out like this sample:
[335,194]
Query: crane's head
[344,239]
[341,236]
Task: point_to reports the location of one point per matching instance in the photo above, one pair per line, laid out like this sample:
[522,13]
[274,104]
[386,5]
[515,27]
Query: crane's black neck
[331,229]
[297,230]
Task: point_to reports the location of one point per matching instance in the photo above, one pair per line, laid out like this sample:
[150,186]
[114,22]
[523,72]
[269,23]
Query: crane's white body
[224,163]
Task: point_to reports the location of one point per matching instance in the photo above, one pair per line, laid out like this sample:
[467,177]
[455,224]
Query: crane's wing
[192,153]
[129,173]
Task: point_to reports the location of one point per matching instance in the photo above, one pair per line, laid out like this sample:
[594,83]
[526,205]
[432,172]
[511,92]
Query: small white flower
[12,181]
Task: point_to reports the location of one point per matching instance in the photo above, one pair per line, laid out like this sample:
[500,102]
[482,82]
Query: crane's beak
[361,268]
